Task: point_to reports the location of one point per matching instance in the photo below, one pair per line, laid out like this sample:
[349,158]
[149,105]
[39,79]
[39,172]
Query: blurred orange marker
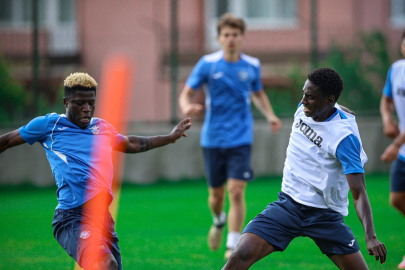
[112,106]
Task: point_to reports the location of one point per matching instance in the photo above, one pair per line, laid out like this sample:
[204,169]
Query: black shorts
[224,163]
[397,179]
[78,233]
[285,219]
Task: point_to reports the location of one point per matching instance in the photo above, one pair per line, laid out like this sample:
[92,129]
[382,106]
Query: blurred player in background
[324,160]
[232,78]
[394,95]
[69,141]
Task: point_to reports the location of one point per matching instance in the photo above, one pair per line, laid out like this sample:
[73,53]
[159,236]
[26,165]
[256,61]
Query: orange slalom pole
[112,105]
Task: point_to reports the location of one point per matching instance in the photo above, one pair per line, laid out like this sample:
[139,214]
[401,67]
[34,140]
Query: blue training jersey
[228,118]
[394,88]
[69,150]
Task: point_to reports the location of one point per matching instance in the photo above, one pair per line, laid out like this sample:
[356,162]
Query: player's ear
[331,99]
[65,102]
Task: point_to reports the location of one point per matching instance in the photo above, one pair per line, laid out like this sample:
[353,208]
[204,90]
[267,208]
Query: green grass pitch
[164,226]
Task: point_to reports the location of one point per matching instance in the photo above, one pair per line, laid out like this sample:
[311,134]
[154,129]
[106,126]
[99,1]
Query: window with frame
[66,11]
[398,13]
[19,12]
[6,11]
[265,14]
[258,15]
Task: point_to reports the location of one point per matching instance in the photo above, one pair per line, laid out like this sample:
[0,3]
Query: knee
[236,194]
[106,262]
[397,202]
[216,198]
[240,255]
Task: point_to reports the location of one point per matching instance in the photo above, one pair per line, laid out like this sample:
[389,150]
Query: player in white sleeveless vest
[394,94]
[324,160]
[322,184]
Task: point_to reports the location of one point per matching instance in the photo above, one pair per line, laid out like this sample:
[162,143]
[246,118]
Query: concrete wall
[183,160]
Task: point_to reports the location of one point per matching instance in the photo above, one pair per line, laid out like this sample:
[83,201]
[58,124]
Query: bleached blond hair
[79,80]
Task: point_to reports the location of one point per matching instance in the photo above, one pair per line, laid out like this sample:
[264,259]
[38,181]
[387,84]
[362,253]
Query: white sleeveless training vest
[312,174]
[398,95]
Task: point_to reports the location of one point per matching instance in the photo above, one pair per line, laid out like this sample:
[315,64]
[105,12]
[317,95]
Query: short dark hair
[79,82]
[328,81]
[229,20]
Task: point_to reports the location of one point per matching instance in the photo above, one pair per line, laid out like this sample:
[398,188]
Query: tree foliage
[13,98]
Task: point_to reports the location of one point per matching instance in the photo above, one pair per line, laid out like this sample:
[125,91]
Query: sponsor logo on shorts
[351,244]
[246,175]
[85,234]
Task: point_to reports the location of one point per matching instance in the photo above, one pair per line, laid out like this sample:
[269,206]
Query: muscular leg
[397,199]
[216,199]
[353,261]
[250,249]
[105,262]
[236,215]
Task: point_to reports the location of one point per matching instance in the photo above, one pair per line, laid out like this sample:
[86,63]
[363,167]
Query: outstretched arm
[262,102]
[10,139]
[136,144]
[363,208]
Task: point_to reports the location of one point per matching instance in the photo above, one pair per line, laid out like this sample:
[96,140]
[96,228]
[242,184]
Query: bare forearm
[386,109]
[263,104]
[363,209]
[400,139]
[9,140]
[185,97]
[142,144]
[361,202]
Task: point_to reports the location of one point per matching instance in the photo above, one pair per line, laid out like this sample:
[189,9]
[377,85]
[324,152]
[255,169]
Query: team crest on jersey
[95,129]
[85,234]
[243,75]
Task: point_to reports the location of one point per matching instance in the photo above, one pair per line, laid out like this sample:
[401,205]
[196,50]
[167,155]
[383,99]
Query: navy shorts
[224,163]
[78,233]
[397,181]
[285,219]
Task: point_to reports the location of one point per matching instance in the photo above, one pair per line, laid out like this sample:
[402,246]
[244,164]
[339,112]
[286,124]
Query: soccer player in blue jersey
[324,161]
[394,96]
[69,140]
[232,78]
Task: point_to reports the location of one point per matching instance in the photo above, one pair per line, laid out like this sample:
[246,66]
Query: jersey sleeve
[35,130]
[257,82]
[116,137]
[387,91]
[348,153]
[199,75]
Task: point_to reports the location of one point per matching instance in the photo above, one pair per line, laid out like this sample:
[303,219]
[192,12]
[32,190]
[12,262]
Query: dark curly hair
[328,81]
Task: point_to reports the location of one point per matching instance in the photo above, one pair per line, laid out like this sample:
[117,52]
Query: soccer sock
[219,220]
[232,240]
